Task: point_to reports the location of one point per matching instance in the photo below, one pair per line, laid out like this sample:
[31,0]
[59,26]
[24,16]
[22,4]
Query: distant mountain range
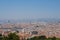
[31,20]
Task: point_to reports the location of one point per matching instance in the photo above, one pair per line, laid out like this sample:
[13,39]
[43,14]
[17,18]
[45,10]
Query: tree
[38,38]
[1,37]
[54,38]
[33,38]
[13,36]
[42,37]
[5,38]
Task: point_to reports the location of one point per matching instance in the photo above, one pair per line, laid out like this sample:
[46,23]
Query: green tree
[1,37]
[57,38]
[38,38]
[5,38]
[54,38]
[49,39]
[42,37]
[33,38]
[13,36]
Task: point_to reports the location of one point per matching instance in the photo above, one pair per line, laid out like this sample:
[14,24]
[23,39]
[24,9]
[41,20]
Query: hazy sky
[29,9]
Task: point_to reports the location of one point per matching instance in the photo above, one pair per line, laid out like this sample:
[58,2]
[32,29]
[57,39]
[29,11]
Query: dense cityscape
[31,29]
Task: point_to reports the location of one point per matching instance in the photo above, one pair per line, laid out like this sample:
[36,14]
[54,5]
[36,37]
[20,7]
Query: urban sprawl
[32,29]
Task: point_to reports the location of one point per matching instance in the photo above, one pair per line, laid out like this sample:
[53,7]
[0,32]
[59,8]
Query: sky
[29,9]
